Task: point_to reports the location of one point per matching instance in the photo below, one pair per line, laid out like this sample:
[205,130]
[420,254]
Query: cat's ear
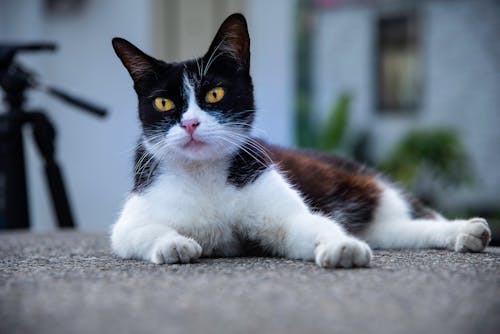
[232,37]
[137,63]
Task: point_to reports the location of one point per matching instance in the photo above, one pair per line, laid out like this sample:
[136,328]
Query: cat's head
[199,109]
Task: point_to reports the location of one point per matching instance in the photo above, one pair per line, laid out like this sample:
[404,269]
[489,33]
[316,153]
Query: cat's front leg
[154,243]
[174,248]
[314,237]
[139,235]
[285,225]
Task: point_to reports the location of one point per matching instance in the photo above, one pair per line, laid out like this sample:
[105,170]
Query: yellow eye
[214,95]
[163,104]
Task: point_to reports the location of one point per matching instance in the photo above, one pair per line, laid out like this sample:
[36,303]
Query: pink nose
[190,125]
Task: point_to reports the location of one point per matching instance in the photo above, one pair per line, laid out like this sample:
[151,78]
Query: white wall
[342,61]
[96,155]
[271,25]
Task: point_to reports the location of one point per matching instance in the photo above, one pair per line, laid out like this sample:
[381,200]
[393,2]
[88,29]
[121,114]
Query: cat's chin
[197,150]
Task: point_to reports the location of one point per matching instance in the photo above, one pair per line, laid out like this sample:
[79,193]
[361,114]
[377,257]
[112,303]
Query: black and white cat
[204,187]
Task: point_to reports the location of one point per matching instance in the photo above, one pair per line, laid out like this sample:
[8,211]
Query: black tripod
[15,81]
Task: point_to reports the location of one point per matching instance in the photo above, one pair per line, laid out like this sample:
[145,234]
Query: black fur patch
[352,210]
[145,169]
[419,210]
[246,166]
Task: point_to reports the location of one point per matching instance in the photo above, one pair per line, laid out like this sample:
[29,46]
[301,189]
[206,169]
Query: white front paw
[474,236]
[347,252]
[175,249]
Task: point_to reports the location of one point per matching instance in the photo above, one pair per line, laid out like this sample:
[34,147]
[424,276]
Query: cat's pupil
[163,102]
[214,94]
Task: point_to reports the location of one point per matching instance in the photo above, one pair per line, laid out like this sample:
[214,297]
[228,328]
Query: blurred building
[414,64]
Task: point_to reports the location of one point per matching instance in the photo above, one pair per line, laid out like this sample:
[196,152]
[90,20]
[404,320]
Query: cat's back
[309,168]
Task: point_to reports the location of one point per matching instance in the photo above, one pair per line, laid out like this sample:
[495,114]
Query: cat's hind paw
[474,236]
[345,253]
[175,249]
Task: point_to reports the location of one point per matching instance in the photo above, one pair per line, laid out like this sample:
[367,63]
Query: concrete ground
[68,282]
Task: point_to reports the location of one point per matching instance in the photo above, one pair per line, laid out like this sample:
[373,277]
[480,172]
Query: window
[398,67]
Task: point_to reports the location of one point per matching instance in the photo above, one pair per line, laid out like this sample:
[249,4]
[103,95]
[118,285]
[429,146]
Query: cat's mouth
[194,144]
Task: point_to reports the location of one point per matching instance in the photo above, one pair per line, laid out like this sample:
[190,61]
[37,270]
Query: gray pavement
[68,282]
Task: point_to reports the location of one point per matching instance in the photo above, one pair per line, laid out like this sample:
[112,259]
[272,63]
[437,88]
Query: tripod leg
[44,134]
[59,196]
[13,195]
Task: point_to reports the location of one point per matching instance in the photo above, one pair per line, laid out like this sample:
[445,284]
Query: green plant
[329,135]
[438,151]
[333,133]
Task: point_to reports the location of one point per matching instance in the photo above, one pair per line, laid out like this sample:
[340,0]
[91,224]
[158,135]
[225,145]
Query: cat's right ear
[233,38]
[137,63]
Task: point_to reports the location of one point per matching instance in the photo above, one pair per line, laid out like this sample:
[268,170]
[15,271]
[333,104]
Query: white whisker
[209,61]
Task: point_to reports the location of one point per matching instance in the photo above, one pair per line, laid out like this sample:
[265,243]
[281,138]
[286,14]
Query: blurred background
[410,87]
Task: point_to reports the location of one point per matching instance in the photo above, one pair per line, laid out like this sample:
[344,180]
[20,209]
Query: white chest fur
[196,202]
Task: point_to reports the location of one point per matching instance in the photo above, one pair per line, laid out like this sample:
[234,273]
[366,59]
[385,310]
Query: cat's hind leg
[394,227]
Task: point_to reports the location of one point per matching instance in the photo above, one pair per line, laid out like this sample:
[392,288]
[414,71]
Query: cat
[203,186]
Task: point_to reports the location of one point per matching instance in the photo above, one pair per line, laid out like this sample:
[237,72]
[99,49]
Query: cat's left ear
[232,37]
[137,63]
